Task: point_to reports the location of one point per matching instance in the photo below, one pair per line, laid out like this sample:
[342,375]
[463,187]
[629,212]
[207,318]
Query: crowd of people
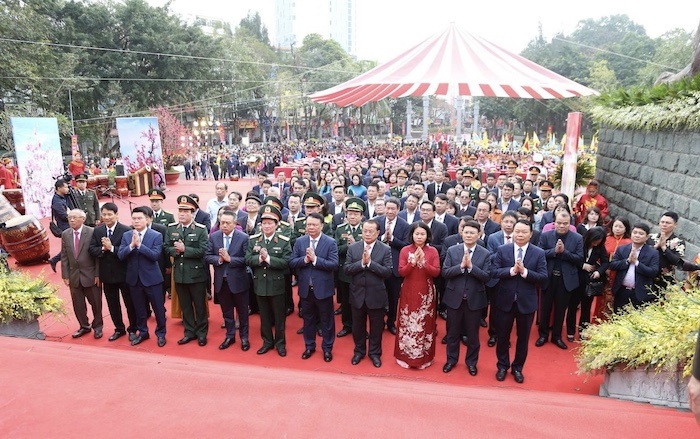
[396,241]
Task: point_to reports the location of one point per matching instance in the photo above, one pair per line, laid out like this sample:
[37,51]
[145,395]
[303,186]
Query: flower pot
[171,177]
[664,388]
[23,329]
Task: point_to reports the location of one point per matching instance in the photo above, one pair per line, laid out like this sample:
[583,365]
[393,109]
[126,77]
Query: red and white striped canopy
[454,63]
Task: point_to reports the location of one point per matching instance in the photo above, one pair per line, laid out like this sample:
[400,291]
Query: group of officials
[358,258]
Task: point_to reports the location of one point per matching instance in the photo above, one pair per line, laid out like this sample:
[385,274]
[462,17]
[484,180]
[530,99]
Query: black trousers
[578,296]
[488,311]
[230,302]
[115,309]
[624,297]
[459,320]
[193,301]
[393,289]
[315,311]
[288,297]
[555,296]
[359,330]
[345,308]
[504,326]
[272,310]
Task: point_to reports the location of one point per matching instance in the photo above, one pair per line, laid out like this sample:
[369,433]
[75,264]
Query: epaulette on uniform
[303,218]
[342,224]
[173,224]
[200,225]
[283,238]
[257,235]
[284,223]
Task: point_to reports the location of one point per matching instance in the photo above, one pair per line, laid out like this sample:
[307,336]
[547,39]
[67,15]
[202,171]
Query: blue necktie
[520,253]
[227,242]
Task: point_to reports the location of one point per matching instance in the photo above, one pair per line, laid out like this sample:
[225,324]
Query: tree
[253,26]
[690,70]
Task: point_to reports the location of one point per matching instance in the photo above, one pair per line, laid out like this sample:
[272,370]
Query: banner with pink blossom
[139,143]
[39,160]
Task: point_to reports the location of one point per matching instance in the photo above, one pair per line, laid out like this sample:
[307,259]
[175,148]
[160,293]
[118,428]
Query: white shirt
[629,279]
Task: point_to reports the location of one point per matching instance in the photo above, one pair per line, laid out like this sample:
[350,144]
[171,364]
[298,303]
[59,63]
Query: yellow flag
[535,140]
[563,140]
[526,143]
[504,144]
[485,141]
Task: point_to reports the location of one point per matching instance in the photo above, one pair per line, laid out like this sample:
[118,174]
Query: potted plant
[173,138]
[23,299]
[646,353]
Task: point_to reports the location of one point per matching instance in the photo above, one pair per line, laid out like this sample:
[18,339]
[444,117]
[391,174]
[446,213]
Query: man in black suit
[506,202]
[564,252]
[201,216]
[465,208]
[488,226]
[393,231]
[411,212]
[368,263]
[104,246]
[440,186]
[521,267]
[442,216]
[466,269]
[636,264]
[226,253]
[234,202]
[667,244]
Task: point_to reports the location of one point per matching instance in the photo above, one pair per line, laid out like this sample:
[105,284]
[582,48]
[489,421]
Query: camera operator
[61,203]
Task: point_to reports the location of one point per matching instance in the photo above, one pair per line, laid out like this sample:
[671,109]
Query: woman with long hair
[496,212]
[619,235]
[592,218]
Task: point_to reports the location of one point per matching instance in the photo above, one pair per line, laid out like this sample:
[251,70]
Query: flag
[535,140]
[504,142]
[553,140]
[594,142]
[485,141]
[526,143]
[581,145]
[563,140]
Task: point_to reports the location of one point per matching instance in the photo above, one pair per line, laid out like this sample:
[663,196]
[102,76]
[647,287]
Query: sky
[386,28]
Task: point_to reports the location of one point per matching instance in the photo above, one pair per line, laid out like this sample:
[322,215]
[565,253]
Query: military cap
[274,201]
[512,163]
[473,156]
[186,202]
[156,194]
[534,168]
[254,198]
[269,211]
[468,172]
[355,204]
[402,173]
[546,185]
[81,177]
[313,199]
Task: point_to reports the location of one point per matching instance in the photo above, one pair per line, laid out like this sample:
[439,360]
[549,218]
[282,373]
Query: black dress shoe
[320,334]
[444,339]
[327,357]
[288,311]
[492,341]
[245,344]
[343,332]
[98,333]
[541,341]
[560,344]
[392,329]
[202,341]
[53,263]
[519,378]
[356,359]
[139,339]
[132,336]
[307,354]
[464,340]
[483,323]
[282,352]
[501,375]
[264,350]
[116,335]
[443,314]
[80,332]
[570,338]
[338,311]
[161,342]
[472,370]
[447,368]
[184,340]
[223,325]
[376,361]
[300,330]
[228,341]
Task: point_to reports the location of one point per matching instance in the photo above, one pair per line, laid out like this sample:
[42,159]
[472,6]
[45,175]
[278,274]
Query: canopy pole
[426,104]
[476,117]
[409,117]
[459,102]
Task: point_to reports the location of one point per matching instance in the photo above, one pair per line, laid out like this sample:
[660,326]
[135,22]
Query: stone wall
[643,174]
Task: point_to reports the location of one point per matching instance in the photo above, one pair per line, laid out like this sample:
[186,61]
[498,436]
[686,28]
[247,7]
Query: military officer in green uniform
[399,190]
[186,243]
[346,234]
[469,183]
[472,159]
[86,200]
[313,203]
[160,216]
[268,255]
[285,229]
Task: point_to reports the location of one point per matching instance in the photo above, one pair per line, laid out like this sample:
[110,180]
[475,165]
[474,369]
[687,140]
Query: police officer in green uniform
[160,216]
[268,255]
[346,234]
[86,200]
[186,243]
[399,190]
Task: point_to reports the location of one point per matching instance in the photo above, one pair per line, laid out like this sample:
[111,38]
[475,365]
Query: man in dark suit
[667,244]
[347,234]
[393,231]
[466,269]
[564,252]
[61,203]
[465,208]
[315,257]
[368,264]
[441,215]
[411,211]
[636,264]
[201,216]
[164,261]
[226,253]
[521,267]
[234,202]
[440,186]
[104,246]
[80,272]
[141,248]
[488,226]
[506,202]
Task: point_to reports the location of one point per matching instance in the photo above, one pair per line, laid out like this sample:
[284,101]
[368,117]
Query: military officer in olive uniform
[346,234]
[470,184]
[86,200]
[285,229]
[160,216]
[313,203]
[399,190]
[268,255]
[186,243]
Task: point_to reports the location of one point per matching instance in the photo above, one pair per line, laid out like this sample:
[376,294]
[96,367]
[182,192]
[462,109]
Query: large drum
[121,182]
[103,180]
[16,199]
[91,182]
[25,239]
[7,211]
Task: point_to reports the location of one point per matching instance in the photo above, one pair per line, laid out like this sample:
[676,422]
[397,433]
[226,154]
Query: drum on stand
[16,199]
[7,211]
[103,180]
[91,182]
[25,239]
[121,182]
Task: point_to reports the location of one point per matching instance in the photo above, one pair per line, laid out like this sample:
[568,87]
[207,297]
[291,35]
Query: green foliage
[660,336]
[24,297]
[585,170]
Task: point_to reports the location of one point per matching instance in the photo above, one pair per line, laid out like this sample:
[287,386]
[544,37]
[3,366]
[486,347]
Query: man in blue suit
[564,251]
[466,269]
[226,253]
[521,267]
[141,248]
[637,264]
[315,257]
[506,202]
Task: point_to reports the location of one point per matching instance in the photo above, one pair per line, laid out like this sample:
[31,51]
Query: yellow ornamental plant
[23,297]
[660,336]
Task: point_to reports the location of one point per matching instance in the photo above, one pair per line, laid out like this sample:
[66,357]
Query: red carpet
[124,390]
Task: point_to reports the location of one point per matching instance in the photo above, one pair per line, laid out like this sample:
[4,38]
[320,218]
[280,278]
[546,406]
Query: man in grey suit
[466,269]
[368,263]
[80,272]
